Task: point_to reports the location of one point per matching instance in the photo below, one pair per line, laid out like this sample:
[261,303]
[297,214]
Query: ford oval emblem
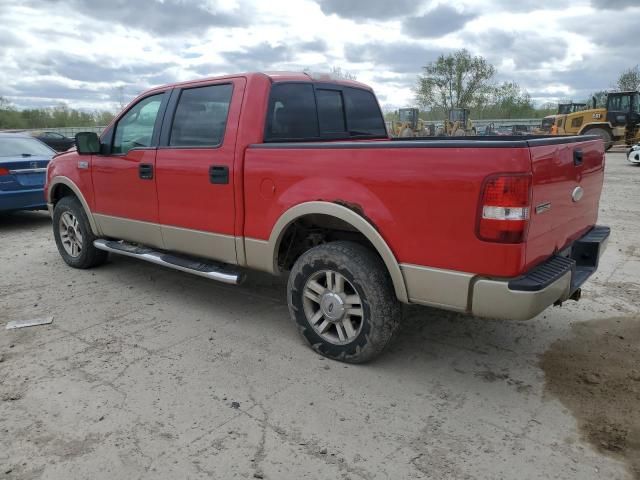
[577,194]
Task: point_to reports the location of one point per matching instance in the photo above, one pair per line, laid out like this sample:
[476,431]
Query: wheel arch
[59,187]
[349,216]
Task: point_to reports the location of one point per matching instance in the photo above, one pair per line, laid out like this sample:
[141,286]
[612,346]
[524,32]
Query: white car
[633,155]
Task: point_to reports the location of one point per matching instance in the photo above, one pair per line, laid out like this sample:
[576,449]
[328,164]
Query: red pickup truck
[284,172]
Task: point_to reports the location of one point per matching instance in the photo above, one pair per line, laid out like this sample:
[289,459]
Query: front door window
[135,128]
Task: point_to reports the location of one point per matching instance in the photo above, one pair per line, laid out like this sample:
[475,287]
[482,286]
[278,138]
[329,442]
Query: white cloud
[72,51]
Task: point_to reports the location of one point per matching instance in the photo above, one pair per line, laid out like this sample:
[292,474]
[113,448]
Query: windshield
[636,103]
[406,115]
[457,115]
[22,146]
[548,121]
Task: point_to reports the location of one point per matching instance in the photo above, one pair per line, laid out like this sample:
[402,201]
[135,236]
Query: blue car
[23,168]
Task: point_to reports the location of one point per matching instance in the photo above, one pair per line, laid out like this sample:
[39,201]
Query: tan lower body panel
[200,244]
[259,255]
[493,298]
[191,242]
[437,287]
[483,297]
[136,231]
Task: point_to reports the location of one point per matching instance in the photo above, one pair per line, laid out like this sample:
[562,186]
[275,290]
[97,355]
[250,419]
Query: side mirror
[87,143]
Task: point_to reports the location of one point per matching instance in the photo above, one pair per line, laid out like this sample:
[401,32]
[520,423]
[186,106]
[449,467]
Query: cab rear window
[307,112]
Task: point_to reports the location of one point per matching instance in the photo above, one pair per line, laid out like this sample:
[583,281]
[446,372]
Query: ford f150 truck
[283,172]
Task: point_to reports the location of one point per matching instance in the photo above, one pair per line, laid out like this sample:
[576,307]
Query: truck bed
[423,194]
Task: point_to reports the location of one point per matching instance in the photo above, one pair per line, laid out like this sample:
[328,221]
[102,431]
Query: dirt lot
[151,373]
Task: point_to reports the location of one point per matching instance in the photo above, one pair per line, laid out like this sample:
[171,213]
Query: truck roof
[275,77]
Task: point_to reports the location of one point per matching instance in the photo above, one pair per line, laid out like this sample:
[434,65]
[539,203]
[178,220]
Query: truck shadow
[428,338]
[425,332]
[21,220]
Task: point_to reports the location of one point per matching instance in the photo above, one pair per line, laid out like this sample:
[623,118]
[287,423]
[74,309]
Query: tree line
[59,116]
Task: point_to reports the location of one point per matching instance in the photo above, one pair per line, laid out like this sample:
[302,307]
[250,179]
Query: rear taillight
[3,172]
[504,208]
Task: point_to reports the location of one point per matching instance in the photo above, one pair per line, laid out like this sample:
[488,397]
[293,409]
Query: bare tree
[119,97]
[630,79]
[337,72]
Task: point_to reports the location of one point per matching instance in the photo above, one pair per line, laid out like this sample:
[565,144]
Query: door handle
[219,174]
[145,171]
[577,157]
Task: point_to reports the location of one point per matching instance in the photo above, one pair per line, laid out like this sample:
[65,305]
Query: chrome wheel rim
[70,234]
[333,307]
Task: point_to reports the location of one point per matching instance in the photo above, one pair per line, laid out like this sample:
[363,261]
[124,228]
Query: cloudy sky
[91,53]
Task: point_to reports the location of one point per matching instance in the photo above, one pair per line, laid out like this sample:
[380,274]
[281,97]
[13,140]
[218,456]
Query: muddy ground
[596,374]
[148,373]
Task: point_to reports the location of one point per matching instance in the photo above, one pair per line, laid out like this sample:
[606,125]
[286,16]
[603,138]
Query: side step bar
[203,268]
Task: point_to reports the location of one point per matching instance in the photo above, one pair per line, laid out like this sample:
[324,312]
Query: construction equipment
[618,122]
[458,125]
[563,109]
[410,124]
[571,107]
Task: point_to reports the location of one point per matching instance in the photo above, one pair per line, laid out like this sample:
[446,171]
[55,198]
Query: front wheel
[343,302]
[73,235]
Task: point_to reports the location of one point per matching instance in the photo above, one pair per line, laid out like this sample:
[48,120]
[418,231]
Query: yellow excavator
[409,124]
[458,124]
[563,109]
[619,122]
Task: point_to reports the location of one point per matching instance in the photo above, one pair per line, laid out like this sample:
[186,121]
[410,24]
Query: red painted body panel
[66,165]
[554,178]
[423,201]
[186,198]
[118,189]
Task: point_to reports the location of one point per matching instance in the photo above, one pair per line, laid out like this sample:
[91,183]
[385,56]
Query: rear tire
[341,297]
[73,235]
[602,133]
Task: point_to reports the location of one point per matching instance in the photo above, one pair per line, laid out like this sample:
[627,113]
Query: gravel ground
[152,373]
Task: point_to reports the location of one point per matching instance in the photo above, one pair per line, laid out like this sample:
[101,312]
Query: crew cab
[285,172]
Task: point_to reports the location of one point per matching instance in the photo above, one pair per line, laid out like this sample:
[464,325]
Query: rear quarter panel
[423,201]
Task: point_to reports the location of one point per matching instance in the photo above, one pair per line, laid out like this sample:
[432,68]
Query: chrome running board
[196,266]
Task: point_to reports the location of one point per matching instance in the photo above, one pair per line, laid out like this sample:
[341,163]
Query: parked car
[285,173]
[633,154]
[55,140]
[23,163]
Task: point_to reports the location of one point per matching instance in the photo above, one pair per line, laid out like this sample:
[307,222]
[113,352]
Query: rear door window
[363,113]
[201,116]
[331,112]
[292,112]
[306,111]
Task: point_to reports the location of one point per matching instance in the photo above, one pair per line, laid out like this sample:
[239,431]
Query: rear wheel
[342,299]
[73,235]
[602,133]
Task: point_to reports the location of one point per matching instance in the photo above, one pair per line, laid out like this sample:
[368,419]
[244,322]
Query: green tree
[630,79]
[457,80]
[506,100]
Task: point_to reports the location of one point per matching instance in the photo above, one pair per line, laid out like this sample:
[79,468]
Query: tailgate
[567,182]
